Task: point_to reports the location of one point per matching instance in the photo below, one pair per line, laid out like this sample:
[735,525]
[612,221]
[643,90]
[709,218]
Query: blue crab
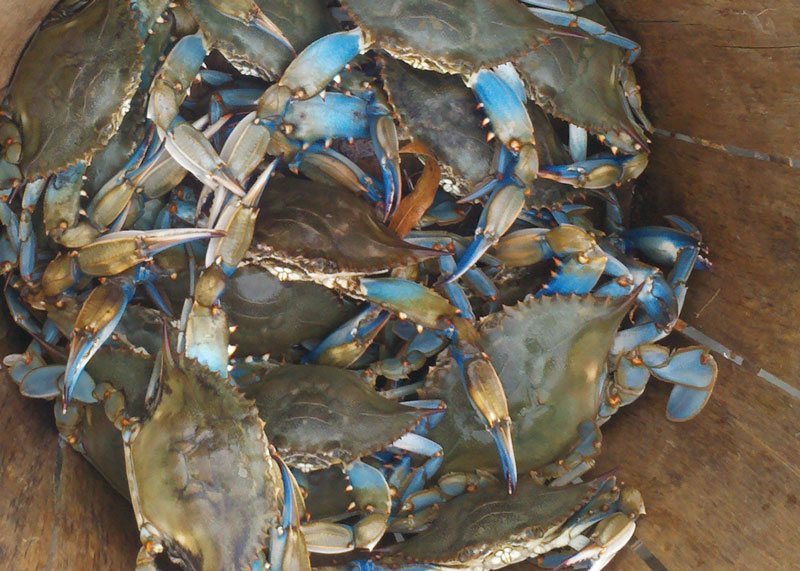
[318,417]
[486,529]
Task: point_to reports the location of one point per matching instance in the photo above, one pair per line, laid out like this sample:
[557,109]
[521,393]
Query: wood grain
[58,512]
[723,70]
[722,490]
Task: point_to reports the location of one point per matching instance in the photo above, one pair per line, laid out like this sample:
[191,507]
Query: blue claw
[96,321]
[320,62]
[372,495]
[414,301]
[502,105]
[692,367]
[578,275]
[349,341]
[685,403]
[44,383]
[597,173]
[318,119]
[485,393]
[500,212]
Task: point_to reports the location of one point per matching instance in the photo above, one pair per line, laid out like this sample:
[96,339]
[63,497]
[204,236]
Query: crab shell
[490,529]
[452,36]
[73,85]
[272,316]
[440,111]
[314,232]
[201,477]
[318,416]
[550,355]
[577,79]
[252,51]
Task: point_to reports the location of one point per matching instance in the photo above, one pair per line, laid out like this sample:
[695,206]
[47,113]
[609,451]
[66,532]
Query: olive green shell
[550,354]
[450,36]
[328,230]
[200,472]
[473,526]
[577,79]
[272,316]
[317,416]
[440,112]
[73,84]
[251,49]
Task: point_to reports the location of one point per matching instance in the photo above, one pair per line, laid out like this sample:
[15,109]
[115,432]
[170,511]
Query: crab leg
[27,237]
[328,166]
[287,548]
[248,12]
[349,341]
[62,201]
[511,124]
[116,252]
[185,143]
[597,173]
[154,176]
[591,27]
[561,5]
[372,498]
[502,210]
[429,309]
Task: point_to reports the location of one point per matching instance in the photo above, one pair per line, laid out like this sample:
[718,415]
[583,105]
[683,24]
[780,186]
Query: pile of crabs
[306,277]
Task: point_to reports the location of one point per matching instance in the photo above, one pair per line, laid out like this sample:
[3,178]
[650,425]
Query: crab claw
[97,319]
[610,535]
[485,392]
[287,548]
[410,300]
[116,252]
[373,497]
[194,152]
[248,12]
[498,215]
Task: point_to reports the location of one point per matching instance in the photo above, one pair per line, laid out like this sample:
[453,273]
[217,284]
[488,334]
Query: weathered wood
[726,70]
[57,512]
[749,214]
[722,490]
[18,20]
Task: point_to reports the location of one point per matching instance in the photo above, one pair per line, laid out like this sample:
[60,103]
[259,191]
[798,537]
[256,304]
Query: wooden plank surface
[57,511]
[722,70]
[721,491]
[18,20]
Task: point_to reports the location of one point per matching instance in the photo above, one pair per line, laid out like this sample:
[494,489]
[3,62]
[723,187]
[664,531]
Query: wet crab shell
[577,79]
[73,84]
[272,316]
[318,416]
[473,528]
[200,474]
[454,36]
[252,51]
[316,229]
[440,111]
[549,354]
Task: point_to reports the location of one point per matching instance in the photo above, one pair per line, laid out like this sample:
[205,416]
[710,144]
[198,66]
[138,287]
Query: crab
[318,417]
[551,356]
[204,485]
[486,529]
